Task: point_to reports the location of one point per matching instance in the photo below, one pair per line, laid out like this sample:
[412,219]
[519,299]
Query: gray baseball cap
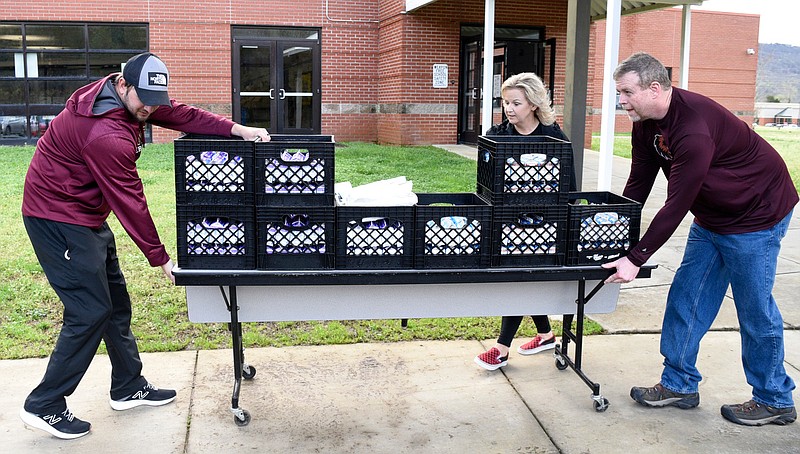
[149,76]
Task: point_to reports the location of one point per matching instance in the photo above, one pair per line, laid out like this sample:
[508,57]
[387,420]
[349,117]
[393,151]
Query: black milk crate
[213,170]
[524,170]
[374,237]
[300,237]
[453,230]
[295,170]
[529,235]
[216,237]
[602,227]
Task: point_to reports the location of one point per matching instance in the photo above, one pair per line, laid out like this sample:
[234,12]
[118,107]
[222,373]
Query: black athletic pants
[510,325]
[82,267]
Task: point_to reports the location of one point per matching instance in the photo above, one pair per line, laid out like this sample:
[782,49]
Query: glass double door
[276,85]
[508,57]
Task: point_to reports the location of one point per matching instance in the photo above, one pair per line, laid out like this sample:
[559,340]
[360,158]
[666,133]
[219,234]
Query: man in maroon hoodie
[742,197]
[84,167]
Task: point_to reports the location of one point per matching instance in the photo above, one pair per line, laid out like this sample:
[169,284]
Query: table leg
[240,416]
[562,351]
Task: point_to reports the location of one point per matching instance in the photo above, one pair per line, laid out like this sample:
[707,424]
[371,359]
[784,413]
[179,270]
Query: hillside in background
[778,73]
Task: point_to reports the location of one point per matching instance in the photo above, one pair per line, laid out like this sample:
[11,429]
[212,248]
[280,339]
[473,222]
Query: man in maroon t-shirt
[742,197]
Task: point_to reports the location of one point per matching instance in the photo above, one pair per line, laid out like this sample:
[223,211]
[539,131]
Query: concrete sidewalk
[429,396]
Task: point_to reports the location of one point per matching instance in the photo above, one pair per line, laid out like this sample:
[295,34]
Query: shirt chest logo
[661,147]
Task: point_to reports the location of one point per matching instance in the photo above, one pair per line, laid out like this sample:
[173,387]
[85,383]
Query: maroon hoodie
[85,164]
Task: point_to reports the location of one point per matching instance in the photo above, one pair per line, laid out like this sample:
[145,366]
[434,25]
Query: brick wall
[350,63]
[414,112]
[719,65]
[377,76]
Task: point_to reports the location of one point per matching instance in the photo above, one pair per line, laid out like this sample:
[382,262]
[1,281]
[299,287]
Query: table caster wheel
[561,363]
[248,372]
[600,404]
[241,418]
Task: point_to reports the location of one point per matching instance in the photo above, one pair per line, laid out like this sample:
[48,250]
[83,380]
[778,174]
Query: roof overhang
[411,5]
[599,7]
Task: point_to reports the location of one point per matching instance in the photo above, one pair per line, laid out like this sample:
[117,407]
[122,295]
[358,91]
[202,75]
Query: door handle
[476,93]
[281,93]
[271,96]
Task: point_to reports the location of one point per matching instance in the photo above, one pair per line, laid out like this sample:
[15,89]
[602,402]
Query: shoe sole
[533,351]
[488,366]
[683,403]
[128,404]
[780,420]
[34,421]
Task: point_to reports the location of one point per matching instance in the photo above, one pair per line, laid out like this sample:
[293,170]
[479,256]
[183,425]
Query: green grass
[30,314]
[785,140]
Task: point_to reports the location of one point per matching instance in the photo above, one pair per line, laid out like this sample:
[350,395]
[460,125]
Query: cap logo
[157,79]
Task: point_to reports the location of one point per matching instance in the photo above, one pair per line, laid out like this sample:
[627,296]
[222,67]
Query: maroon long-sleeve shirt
[85,164]
[717,167]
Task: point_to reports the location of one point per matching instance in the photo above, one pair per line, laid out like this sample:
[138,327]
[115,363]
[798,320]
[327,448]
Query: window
[42,63]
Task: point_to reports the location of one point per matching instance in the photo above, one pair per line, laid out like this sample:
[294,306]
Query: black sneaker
[752,413]
[659,396]
[149,395]
[63,425]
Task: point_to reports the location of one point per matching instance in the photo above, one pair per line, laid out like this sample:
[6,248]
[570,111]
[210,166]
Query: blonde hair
[535,93]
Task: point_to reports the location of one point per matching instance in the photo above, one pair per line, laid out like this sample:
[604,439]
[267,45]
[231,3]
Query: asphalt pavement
[429,396]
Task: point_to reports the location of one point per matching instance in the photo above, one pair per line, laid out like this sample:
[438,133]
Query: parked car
[790,125]
[13,126]
[39,124]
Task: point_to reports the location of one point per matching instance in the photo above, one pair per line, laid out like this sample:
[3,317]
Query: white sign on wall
[440,76]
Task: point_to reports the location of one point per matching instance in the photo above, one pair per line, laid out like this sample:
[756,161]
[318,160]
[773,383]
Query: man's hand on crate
[167,269]
[625,271]
[250,133]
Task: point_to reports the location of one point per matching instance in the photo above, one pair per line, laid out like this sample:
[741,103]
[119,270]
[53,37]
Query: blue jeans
[747,262]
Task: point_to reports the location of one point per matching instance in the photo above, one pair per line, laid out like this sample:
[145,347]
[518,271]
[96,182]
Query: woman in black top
[528,113]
